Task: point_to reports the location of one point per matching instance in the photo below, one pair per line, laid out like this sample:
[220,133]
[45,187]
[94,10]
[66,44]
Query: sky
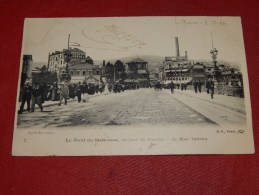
[117,37]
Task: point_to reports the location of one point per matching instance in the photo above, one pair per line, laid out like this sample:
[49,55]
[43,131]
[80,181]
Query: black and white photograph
[133,86]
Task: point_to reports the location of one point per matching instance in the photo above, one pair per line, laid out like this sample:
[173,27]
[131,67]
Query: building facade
[137,70]
[84,71]
[27,65]
[58,60]
[176,68]
[26,68]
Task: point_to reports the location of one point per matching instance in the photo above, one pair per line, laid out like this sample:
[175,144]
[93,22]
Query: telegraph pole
[68,56]
[214,54]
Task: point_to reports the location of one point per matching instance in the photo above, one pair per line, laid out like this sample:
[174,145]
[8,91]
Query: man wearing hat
[212,85]
[36,97]
[26,96]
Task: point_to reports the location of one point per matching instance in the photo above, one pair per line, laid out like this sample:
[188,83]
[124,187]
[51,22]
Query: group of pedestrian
[197,86]
[31,95]
[209,87]
[131,86]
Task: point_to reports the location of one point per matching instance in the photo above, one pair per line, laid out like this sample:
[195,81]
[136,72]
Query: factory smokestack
[177,48]
[186,55]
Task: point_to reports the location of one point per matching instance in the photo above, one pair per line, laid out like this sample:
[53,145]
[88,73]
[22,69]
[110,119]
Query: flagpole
[68,41]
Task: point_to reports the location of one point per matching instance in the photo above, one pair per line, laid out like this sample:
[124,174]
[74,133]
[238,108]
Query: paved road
[143,106]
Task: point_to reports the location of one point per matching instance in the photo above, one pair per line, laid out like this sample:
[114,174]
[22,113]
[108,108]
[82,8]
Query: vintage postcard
[133,86]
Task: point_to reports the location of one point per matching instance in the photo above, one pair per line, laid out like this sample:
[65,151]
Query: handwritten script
[204,22]
[115,37]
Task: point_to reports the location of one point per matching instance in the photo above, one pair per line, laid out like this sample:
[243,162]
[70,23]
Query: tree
[44,77]
[120,70]
[109,71]
[44,68]
[89,60]
[119,66]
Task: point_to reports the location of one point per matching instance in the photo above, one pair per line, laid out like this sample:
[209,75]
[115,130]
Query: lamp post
[214,54]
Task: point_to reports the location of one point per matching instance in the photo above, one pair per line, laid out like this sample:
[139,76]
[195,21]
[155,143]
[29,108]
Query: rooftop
[82,66]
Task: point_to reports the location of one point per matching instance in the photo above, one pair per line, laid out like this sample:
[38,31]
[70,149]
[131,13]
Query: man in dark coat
[185,86]
[212,85]
[208,86]
[36,97]
[26,97]
[195,84]
[79,92]
[172,86]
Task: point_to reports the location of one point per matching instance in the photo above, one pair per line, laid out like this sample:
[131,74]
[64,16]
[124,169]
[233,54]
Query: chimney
[186,55]
[103,63]
[177,48]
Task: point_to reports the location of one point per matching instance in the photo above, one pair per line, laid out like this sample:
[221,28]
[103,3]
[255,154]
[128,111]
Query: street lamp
[214,54]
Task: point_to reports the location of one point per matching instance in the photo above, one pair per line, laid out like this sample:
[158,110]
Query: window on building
[84,72]
[71,72]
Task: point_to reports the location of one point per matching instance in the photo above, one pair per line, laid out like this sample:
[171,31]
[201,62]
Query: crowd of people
[37,94]
[197,84]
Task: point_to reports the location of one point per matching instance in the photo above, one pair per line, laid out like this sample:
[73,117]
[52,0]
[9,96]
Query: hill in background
[154,62]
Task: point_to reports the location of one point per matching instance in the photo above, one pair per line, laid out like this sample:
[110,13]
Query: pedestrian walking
[212,85]
[86,89]
[36,97]
[182,86]
[208,86]
[199,84]
[195,84]
[172,87]
[71,88]
[78,92]
[54,93]
[185,86]
[64,93]
[26,94]
[96,88]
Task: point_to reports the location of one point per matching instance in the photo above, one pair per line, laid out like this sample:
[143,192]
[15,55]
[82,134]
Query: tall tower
[177,48]
[27,64]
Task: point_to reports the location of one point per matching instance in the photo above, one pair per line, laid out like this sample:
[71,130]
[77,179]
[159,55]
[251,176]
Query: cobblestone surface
[143,106]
